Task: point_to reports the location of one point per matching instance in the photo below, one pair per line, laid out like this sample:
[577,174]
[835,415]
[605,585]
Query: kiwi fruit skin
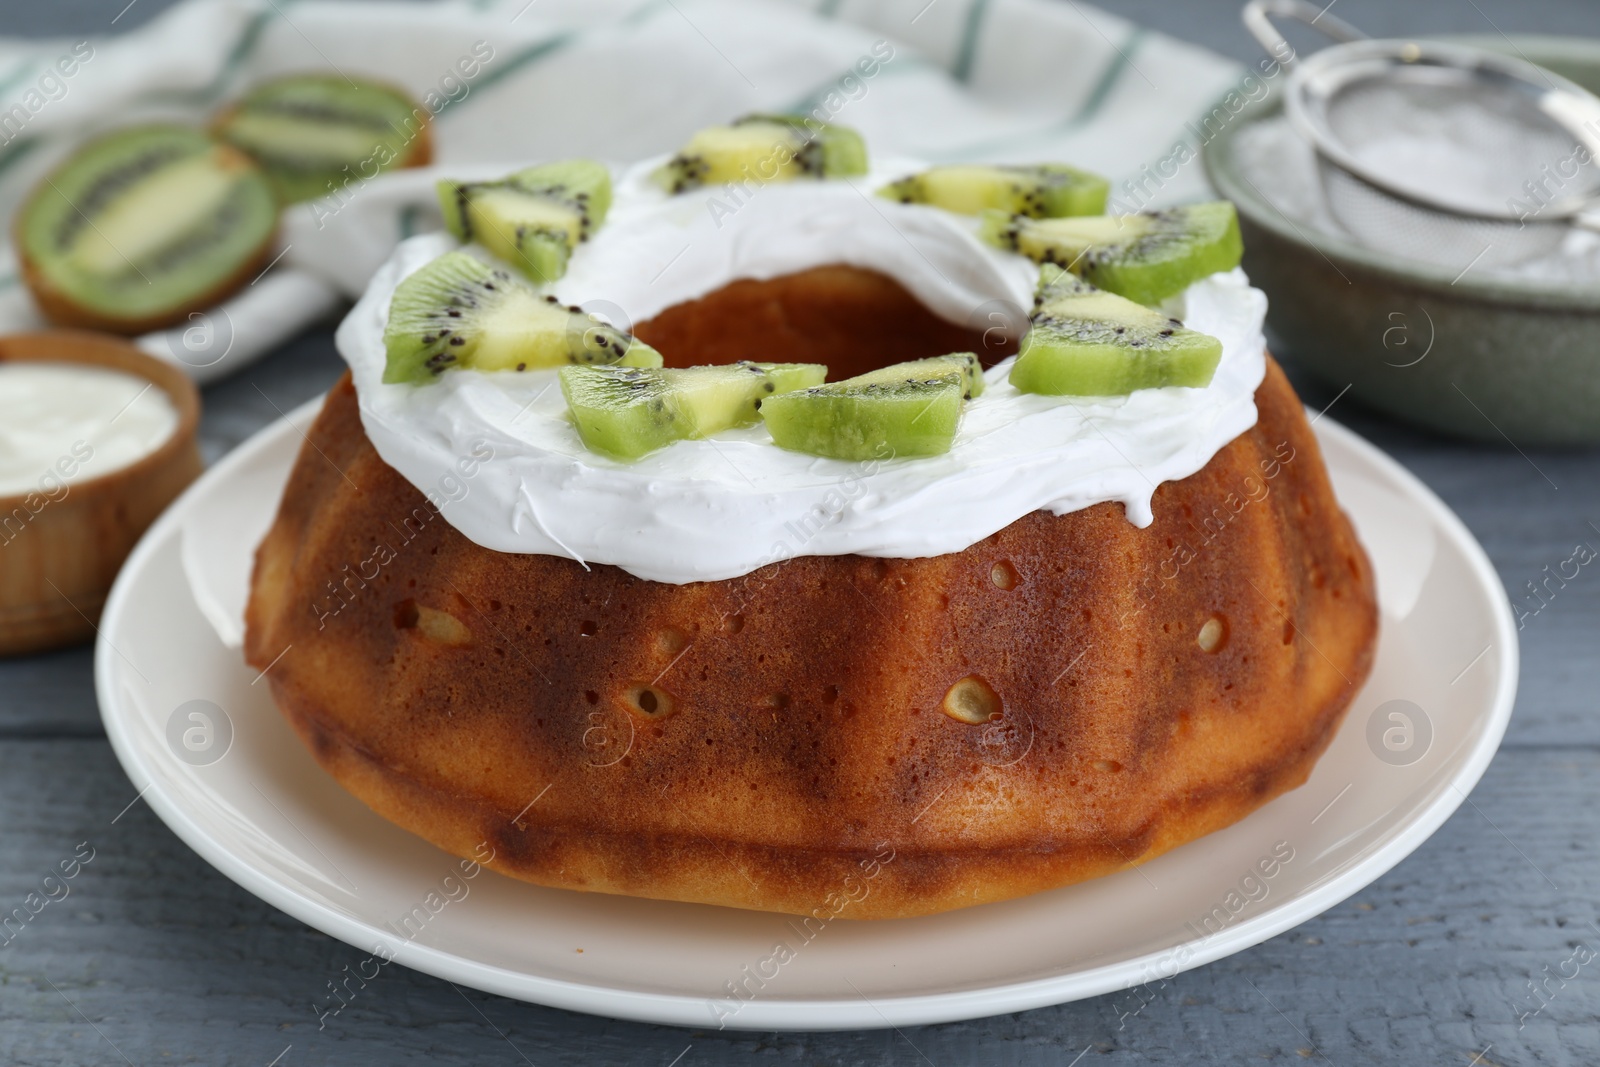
[909,409]
[1147,257]
[791,147]
[390,113]
[532,219]
[626,413]
[458,311]
[69,298]
[1088,342]
[1043,190]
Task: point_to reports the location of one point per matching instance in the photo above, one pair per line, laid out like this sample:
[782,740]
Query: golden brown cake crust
[798,759]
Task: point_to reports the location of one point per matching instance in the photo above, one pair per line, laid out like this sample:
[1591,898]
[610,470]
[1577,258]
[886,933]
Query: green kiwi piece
[627,412]
[764,148]
[141,227]
[964,363]
[460,312]
[534,218]
[315,132]
[909,409]
[1044,190]
[1146,257]
[1087,342]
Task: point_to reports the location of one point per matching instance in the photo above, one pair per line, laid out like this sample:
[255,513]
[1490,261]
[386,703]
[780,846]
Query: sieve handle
[1258,14]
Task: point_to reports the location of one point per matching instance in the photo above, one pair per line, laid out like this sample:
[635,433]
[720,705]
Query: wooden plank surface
[154,957]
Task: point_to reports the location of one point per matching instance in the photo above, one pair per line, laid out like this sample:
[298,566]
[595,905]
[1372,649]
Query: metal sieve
[1442,152]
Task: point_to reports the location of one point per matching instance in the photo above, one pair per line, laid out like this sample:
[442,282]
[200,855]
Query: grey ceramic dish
[1506,360]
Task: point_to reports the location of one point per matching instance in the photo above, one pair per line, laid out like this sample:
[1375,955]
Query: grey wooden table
[157,958]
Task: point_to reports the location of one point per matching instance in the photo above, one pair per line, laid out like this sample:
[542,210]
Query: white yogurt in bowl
[66,422]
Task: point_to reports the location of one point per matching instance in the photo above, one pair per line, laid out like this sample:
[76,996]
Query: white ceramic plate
[267,817]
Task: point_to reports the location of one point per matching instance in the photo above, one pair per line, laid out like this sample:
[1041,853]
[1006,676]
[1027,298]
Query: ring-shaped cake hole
[652,702]
[973,701]
[1213,634]
[851,318]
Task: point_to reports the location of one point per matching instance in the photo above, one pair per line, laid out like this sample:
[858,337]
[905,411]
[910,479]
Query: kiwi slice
[964,363]
[764,148]
[1146,257]
[627,412]
[533,219]
[139,228]
[1045,190]
[1087,342]
[458,311]
[315,132]
[909,409]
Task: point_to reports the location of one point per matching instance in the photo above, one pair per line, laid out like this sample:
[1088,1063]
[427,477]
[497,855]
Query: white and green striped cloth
[998,80]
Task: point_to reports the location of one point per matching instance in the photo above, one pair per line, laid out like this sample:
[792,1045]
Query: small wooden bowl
[59,556]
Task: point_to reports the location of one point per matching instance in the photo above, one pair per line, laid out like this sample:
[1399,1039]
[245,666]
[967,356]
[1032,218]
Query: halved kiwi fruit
[628,412]
[1146,257]
[314,132]
[1043,190]
[141,227]
[458,311]
[764,148]
[1087,342]
[534,218]
[909,409]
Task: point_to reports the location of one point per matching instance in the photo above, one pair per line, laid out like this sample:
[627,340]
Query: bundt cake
[865,733]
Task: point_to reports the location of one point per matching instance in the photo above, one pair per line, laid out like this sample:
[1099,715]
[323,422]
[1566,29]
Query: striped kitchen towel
[512,82]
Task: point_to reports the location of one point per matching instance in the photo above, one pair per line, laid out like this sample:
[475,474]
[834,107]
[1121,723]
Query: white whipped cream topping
[720,508]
